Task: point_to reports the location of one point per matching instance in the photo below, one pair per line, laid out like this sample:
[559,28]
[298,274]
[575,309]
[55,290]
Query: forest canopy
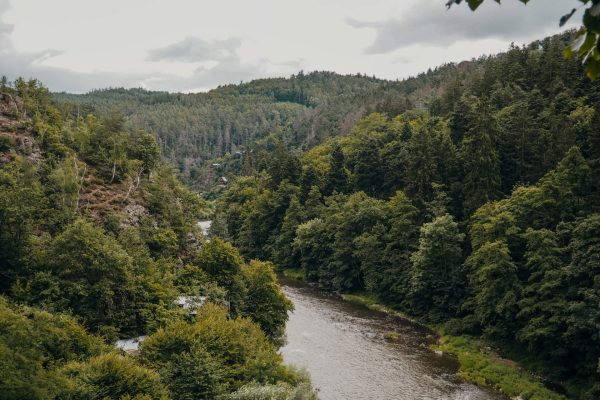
[478,212]
[98,239]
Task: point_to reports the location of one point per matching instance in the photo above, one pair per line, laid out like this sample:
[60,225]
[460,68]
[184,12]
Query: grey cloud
[193,49]
[430,24]
[230,71]
[5,28]
[15,64]
[229,68]
[295,64]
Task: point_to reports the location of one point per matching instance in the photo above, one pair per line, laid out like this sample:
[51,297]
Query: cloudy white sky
[196,45]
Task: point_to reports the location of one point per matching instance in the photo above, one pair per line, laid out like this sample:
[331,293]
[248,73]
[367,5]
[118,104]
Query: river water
[342,346]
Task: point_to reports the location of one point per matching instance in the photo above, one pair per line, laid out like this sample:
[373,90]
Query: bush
[113,376]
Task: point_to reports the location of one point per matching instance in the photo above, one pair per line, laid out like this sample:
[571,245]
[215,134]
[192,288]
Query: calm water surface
[343,347]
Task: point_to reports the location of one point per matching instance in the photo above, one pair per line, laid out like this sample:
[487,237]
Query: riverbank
[478,363]
[326,335]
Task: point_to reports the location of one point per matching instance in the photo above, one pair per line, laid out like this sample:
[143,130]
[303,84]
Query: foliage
[436,274]
[213,355]
[34,345]
[586,43]
[265,304]
[113,376]
[97,230]
[478,213]
[281,391]
[490,370]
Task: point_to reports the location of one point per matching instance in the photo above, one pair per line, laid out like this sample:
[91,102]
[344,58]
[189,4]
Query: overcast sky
[196,45]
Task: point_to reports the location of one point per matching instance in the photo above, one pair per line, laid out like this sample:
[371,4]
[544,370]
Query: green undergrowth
[370,301]
[488,369]
[296,274]
[478,366]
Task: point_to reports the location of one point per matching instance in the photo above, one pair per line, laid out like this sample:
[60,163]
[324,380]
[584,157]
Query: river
[342,346]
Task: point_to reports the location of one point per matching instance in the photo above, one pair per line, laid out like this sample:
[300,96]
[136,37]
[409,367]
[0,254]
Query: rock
[133,213]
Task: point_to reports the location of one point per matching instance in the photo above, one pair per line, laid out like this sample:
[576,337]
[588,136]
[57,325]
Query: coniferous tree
[480,160]
[437,280]
[308,179]
[583,294]
[337,179]
[283,252]
[543,306]
[495,288]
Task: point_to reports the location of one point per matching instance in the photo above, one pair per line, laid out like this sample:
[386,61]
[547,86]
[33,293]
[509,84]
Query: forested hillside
[223,124]
[98,238]
[478,212]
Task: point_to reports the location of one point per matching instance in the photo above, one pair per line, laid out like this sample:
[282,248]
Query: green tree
[34,344]
[223,263]
[583,295]
[113,376]
[495,288]
[367,173]
[400,243]
[480,160]
[314,203]
[308,179]
[437,280]
[265,304]
[337,178]
[21,203]
[313,243]
[359,213]
[86,271]
[214,355]
[284,255]
[108,148]
[143,147]
[369,249]
[543,305]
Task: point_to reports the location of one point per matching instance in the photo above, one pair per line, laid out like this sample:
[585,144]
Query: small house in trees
[205,227]
[190,303]
[131,346]
[223,181]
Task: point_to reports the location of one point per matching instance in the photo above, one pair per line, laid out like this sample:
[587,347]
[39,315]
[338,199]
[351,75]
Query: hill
[196,130]
[478,213]
[98,242]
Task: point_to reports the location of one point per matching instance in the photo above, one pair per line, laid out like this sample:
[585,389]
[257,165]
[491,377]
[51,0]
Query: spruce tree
[543,307]
[437,281]
[480,160]
[337,179]
[284,254]
[495,288]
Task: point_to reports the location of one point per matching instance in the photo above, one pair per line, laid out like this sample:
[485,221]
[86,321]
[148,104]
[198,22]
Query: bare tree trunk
[114,171]
[133,186]
[80,183]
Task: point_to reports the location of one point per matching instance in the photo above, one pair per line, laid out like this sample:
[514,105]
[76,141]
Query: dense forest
[466,197]
[197,130]
[476,209]
[98,239]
